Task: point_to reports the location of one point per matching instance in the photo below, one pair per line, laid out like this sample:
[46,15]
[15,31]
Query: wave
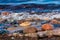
[31,7]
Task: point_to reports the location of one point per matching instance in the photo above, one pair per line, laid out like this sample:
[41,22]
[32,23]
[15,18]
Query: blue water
[16,2]
[56,25]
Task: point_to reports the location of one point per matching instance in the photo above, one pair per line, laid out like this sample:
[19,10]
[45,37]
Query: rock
[47,26]
[21,35]
[5,13]
[3,31]
[1,19]
[56,31]
[45,33]
[36,19]
[20,21]
[54,21]
[41,34]
[9,35]
[29,19]
[46,18]
[31,34]
[25,24]
[15,30]
[49,33]
[11,28]
[12,38]
[15,34]
[30,30]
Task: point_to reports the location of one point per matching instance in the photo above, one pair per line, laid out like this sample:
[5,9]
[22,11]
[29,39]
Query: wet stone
[31,36]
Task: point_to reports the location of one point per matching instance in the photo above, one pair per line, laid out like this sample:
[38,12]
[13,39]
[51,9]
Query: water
[56,25]
[43,6]
[31,1]
[49,4]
